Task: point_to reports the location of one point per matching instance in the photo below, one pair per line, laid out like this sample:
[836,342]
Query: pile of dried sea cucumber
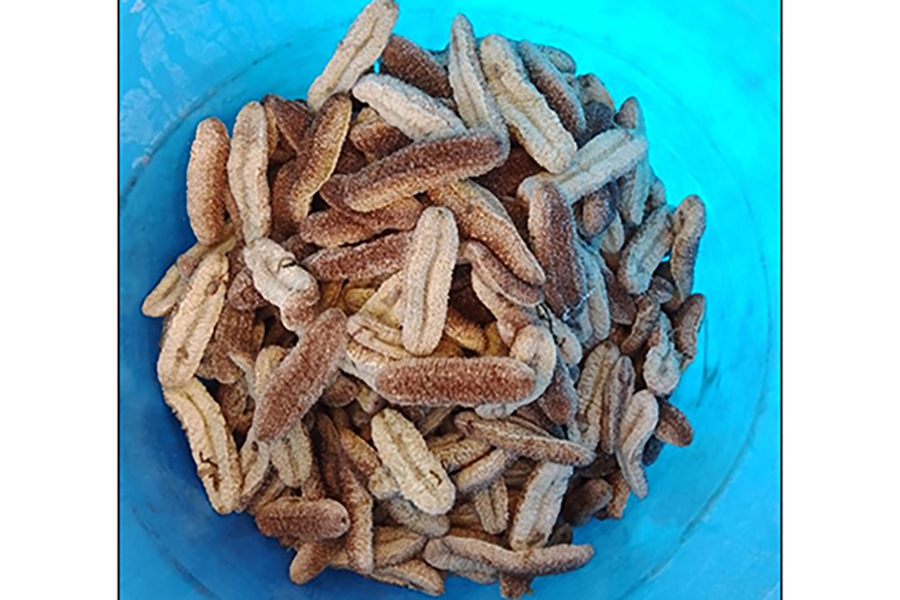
[434,315]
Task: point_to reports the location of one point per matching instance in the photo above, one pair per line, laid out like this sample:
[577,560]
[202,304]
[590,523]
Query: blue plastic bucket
[708,77]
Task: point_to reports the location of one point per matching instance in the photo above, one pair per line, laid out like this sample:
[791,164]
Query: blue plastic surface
[707,74]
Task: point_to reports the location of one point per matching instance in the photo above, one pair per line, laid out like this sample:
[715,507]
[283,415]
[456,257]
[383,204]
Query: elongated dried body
[291,119]
[247,164]
[439,555]
[311,559]
[405,60]
[539,508]
[359,541]
[363,458]
[236,335]
[594,375]
[620,493]
[419,474]
[427,274]
[256,469]
[495,274]
[212,446]
[480,216]
[598,210]
[598,309]
[459,453]
[673,426]
[634,188]
[686,324]
[552,228]
[492,507]
[406,107]
[193,322]
[382,256]
[549,80]
[533,346]
[559,402]
[645,320]
[524,109]
[622,306]
[321,150]
[662,365]
[645,250]
[534,561]
[637,424]
[483,472]
[606,157]
[300,378]
[406,514]
[630,115]
[460,381]
[394,545]
[340,226]
[292,456]
[357,52]
[414,574]
[207,181]
[592,90]
[617,390]
[474,100]
[525,440]
[561,59]
[511,317]
[167,293]
[304,520]
[688,224]
[281,281]
[416,168]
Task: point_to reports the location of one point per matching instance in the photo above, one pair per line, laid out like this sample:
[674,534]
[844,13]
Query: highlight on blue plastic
[707,74]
